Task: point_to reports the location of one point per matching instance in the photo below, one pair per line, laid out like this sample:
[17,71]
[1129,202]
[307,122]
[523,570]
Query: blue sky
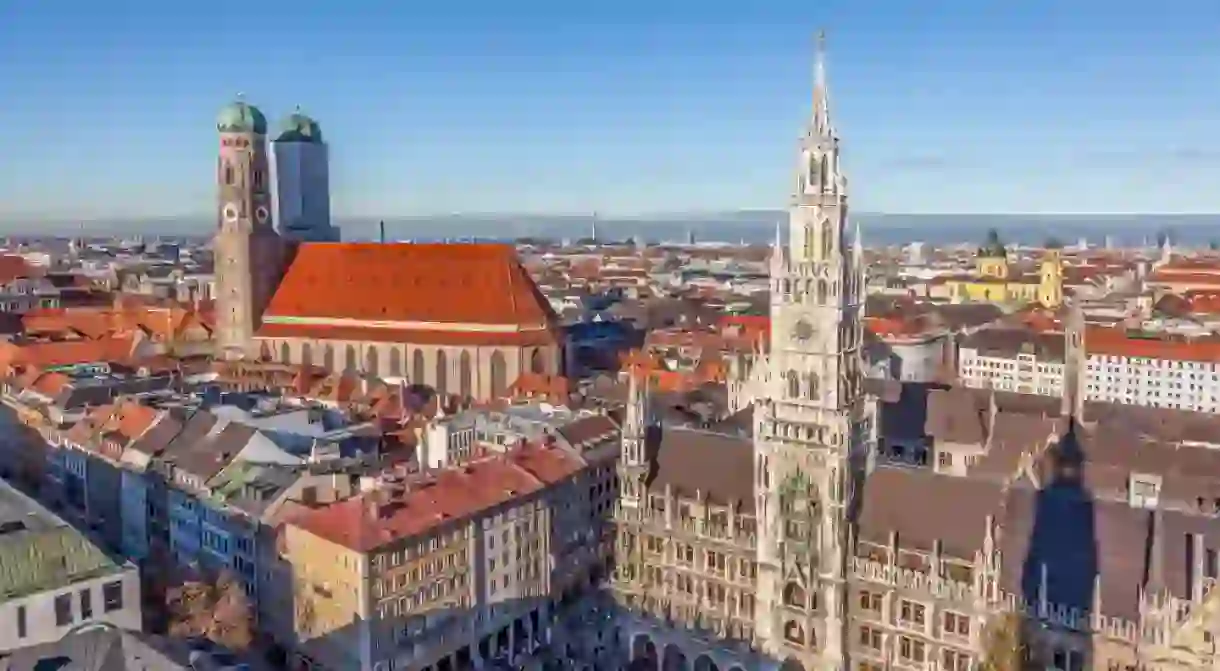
[631,106]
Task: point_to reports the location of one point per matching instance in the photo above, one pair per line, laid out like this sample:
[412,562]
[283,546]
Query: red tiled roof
[437,283]
[365,522]
[105,349]
[14,267]
[1115,342]
[415,336]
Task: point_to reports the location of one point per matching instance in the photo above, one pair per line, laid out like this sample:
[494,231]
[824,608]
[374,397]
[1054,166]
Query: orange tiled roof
[551,388]
[365,522]
[44,354]
[415,336]
[437,283]
[161,322]
[14,267]
[1115,342]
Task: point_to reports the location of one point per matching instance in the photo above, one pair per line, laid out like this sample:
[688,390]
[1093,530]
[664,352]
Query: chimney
[381,231]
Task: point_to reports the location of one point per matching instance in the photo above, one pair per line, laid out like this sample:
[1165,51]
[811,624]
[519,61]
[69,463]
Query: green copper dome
[297,127]
[241,117]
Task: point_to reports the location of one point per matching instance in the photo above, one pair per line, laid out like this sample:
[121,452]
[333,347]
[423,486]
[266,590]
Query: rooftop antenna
[381,231]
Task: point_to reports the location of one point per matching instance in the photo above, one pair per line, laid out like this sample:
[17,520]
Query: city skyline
[558,109]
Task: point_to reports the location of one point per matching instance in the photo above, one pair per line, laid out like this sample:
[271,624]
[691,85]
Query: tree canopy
[216,610]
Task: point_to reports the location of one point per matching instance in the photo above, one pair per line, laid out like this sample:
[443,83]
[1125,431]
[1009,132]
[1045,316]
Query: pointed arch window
[395,362]
[417,367]
[285,353]
[328,357]
[349,359]
[499,374]
[372,362]
[306,355]
[442,373]
[794,384]
[814,391]
[465,375]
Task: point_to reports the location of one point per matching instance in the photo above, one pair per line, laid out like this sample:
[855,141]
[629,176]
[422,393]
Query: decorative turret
[637,422]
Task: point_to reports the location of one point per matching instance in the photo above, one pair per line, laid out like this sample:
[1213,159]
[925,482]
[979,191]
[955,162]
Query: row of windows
[112,600]
[914,614]
[911,649]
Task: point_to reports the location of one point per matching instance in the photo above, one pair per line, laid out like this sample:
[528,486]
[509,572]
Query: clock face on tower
[261,214]
[231,212]
[803,330]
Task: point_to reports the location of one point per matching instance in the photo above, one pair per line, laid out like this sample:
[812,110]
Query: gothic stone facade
[839,535]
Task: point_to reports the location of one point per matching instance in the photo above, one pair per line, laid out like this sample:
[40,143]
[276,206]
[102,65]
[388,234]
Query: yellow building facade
[994,281]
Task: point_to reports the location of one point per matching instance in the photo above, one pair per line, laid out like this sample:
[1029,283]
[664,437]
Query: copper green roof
[36,560]
[241,117]
[297,127]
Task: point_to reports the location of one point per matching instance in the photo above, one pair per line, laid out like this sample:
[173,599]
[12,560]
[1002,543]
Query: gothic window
[306,355]
[417,367]
[465,375]
[827,240]
[824,183]
[821,292]
[229,177]
[794,384]
[328,357]
[264,352]
[395,362]
[499,374]
[814,392]
[442,373]
[371,362]
[794,596]
[258,179]
[794,633]
[285,353]
[349,359]
[536,365]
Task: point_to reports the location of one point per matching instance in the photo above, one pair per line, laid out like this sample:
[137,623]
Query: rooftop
[39,551]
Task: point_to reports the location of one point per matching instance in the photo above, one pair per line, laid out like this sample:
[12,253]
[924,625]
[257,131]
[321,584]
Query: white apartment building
[1155,371]
[53,579]
[1012,360]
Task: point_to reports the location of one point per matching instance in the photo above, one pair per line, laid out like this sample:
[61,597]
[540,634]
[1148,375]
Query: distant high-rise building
[301,181]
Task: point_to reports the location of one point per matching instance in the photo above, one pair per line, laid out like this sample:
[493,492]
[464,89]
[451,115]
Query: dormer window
[1143,490]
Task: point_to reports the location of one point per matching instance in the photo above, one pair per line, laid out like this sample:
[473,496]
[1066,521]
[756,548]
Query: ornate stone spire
[821,94]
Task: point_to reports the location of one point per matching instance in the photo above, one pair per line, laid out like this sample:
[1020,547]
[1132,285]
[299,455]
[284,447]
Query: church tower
[1050,279]
[248,252]
[811,433]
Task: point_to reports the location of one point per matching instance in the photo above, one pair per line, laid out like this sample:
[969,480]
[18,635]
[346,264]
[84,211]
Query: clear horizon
[550,108]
